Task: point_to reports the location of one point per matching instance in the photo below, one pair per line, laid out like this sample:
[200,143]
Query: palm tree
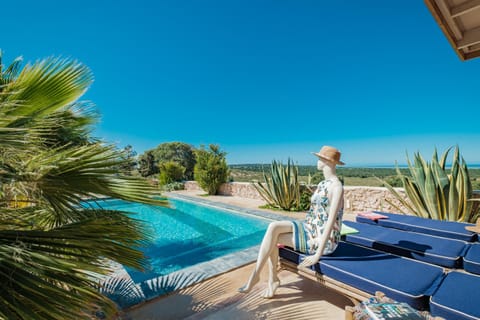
[53,250]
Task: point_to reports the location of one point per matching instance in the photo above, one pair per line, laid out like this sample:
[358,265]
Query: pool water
[189,233]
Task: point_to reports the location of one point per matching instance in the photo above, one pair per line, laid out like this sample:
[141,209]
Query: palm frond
[64,177]
[11,72]
[48,86]
[62,266]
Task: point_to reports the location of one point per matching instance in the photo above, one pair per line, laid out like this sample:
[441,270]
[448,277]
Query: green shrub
[305,196]
[170,171]
[315,178]
[394,181]
[211,169]
[173,186]
[435,193]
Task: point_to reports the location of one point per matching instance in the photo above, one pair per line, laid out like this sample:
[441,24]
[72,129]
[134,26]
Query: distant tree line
[305,170]
[387,174]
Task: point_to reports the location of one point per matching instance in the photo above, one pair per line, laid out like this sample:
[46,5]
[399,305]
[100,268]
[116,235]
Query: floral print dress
[306,233]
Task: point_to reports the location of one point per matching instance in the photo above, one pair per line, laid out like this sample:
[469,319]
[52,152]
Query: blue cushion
[471,261]
[432,249]
[371,270]
[446,229]
[457,297]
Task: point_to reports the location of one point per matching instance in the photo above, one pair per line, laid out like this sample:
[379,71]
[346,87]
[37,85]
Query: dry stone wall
[357,199]
[240,189]
[192,186]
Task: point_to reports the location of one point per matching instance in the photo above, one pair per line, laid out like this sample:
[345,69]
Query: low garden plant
[211,169]
[170,172]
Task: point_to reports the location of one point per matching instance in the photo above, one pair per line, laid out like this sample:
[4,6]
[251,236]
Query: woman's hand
[309,261]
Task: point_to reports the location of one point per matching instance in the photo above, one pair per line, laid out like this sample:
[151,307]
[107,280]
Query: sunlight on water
[188,233]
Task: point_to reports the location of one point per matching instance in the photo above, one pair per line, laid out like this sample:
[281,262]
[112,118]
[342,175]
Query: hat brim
[475,228]
[328,159]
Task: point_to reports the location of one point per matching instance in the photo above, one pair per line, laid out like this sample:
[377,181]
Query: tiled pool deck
[231,271]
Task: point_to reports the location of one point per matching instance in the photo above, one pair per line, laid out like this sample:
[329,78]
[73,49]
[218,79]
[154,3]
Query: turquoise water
[189,233]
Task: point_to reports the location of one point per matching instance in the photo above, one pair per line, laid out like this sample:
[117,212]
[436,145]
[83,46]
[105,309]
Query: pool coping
[168,284]
[253,212]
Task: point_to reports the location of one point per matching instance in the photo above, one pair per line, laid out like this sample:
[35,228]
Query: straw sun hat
[474,228]
[329,153]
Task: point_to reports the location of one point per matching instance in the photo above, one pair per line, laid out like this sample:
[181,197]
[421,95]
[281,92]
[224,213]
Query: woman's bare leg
[273,280]
[269,251]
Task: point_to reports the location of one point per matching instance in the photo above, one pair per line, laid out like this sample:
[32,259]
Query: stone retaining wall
[357,199]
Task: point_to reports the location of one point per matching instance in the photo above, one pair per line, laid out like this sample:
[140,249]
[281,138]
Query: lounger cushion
[369,270]
[446,229]
[471,261]
[457,297]
[432,249]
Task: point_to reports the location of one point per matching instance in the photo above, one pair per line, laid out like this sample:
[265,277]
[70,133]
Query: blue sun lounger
[446,229]
[423,247]
[364,271]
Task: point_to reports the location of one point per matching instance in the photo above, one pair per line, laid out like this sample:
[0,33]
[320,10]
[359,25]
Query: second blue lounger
[432,249]
[446,229]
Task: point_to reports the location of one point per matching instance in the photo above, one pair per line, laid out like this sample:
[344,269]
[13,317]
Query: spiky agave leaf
[406,204]
[470,214]
[281,189]
[441,180]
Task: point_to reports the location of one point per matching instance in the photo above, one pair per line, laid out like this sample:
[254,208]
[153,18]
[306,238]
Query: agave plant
[281,189]
[53,249]
[435,193]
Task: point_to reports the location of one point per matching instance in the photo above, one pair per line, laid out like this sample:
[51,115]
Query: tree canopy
[179,152]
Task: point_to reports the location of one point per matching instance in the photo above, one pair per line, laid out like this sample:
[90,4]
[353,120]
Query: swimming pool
[189,233]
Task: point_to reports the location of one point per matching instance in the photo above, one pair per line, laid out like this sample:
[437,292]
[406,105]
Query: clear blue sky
[263,79]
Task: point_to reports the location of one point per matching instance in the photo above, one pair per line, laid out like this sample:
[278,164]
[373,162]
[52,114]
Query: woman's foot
[271,288]
[250,284]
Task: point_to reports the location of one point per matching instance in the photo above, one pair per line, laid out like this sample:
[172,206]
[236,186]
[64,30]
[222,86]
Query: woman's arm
[335,202]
